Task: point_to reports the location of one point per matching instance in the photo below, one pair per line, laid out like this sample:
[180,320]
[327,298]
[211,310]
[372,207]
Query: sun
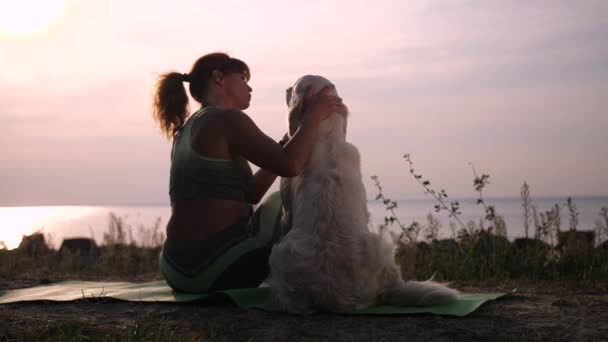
[25,17]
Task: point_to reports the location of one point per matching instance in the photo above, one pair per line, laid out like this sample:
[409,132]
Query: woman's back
[207,192]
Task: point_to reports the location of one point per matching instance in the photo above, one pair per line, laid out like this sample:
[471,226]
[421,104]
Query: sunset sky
[518,88]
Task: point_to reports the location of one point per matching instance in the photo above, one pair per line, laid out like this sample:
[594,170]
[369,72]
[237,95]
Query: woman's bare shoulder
[238,120]
[234,114]
[224,119]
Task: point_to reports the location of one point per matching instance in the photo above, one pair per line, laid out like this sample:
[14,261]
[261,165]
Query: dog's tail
[418,293]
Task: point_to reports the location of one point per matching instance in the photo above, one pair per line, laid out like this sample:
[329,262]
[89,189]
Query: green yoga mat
[258,298]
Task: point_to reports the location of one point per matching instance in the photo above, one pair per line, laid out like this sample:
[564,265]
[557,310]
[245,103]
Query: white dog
[330,260]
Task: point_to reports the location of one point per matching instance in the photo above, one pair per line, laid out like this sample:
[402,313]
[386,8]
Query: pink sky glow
[518,88]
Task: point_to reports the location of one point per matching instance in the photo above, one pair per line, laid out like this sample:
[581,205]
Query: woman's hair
[170,107]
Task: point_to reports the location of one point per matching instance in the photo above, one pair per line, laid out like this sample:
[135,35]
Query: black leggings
[236,257]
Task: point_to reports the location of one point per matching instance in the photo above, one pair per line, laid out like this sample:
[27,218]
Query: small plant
[440,196]
[453,229]
[116,234]
[525,204]
[543,227]
[601,225]
[410,232]
[547,225]
[153,237]
[496,222]
[431,230]
[557,221]
[573,214]
[550,224]
[536,222]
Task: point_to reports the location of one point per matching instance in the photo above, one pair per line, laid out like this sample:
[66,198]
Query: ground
[541,313]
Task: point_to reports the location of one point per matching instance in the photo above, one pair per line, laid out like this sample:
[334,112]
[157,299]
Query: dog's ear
[288,94]
[295,117]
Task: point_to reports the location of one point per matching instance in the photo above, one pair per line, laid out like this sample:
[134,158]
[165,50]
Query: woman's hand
[320,106]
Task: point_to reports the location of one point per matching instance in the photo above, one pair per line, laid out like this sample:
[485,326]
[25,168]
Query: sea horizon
[421,198]
[84,220]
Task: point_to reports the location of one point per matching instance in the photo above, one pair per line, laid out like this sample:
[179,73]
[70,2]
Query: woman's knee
[272,200]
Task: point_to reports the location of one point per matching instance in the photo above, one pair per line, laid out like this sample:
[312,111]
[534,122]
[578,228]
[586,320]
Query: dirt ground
[534,313]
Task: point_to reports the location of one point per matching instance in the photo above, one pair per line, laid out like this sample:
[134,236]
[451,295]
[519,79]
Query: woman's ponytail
[170,107]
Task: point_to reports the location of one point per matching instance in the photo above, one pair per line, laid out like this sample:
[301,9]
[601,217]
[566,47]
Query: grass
[477,251]
[481,252]
[120,255]
[486,257]
[474,253]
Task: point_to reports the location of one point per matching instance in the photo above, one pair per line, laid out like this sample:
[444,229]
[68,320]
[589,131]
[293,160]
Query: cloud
[517,89]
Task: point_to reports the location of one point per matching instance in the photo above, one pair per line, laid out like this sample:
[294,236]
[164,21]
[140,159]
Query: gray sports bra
[194,176]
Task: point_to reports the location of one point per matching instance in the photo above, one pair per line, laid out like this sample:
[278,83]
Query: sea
[59,222]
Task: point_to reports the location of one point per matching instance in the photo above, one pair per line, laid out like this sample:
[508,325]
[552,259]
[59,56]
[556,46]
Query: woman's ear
[217,77]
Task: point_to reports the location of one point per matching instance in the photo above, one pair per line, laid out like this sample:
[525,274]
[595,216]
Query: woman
[214,239]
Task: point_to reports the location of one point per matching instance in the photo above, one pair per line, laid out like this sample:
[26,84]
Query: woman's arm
[261,181]
[246,139]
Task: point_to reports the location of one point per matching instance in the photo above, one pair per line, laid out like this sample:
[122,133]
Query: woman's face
[237,90]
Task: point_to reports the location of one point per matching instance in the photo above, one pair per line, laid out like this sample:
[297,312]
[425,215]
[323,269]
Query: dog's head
[295,97]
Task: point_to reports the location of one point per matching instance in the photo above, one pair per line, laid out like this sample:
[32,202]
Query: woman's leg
[237,265]
[251,268]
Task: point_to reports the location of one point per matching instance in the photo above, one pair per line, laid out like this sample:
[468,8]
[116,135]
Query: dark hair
[170,107]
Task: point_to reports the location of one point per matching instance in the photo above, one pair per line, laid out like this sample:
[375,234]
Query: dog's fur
[330,260]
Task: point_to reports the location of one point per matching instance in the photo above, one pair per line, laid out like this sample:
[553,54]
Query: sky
[517,88]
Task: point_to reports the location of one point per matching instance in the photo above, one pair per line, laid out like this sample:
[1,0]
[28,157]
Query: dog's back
[313,267]
[330,260]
